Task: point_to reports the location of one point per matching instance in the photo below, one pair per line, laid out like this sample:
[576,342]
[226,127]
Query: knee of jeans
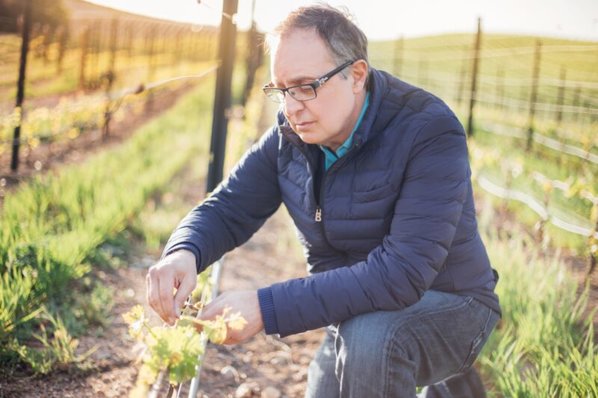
[480,340]
[360,346]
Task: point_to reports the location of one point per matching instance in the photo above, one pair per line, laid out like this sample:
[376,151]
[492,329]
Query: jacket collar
[378,88]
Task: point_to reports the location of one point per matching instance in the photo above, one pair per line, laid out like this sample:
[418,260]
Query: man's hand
[247,304]
[175,271]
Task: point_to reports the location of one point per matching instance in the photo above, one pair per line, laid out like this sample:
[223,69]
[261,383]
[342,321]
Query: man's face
[302,57]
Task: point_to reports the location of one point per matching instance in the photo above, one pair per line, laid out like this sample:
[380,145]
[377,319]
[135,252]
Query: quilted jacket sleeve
[397,272]
[238,207]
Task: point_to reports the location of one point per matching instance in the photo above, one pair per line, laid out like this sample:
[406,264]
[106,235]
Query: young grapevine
[176,349]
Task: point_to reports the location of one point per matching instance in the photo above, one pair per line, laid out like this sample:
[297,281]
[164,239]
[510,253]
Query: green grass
[543,346]
[52,226]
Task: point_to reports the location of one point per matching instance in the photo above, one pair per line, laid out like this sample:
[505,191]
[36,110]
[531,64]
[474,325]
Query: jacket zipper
[318,213]
[318,217]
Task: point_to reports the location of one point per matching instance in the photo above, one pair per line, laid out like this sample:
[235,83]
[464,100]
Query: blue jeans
[389,353]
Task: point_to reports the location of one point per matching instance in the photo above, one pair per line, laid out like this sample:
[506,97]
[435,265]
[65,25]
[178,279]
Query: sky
[390,19]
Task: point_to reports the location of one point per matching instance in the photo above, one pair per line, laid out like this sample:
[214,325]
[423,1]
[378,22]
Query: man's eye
[306,89]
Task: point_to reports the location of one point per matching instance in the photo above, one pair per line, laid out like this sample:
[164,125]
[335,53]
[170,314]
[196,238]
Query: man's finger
[165,288]
[184,290]
[153,292]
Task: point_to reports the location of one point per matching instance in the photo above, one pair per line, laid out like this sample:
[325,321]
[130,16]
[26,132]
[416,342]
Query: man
[375,174]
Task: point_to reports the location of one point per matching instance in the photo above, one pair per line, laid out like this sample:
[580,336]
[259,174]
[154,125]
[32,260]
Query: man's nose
[291,105]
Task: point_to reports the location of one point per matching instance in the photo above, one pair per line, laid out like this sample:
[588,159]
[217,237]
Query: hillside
[81,10]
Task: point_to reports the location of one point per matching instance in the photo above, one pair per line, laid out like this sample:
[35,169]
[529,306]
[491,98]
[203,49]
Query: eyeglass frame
[319,82]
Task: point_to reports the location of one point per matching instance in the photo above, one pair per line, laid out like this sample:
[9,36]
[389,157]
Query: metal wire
[535,205]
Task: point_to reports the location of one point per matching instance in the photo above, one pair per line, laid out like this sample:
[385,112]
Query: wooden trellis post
[474,78]
[16,142]
[533,98]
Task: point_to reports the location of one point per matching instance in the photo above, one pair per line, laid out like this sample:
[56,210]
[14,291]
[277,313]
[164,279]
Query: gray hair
[345,41]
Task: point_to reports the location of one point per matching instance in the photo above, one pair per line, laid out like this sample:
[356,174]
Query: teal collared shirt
[331,156]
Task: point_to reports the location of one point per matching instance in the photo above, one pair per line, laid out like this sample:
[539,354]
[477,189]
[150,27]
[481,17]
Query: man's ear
[359,71]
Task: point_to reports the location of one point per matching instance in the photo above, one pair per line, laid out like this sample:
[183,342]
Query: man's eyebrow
[299,80]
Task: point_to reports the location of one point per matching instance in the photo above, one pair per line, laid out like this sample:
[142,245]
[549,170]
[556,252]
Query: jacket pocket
[373,195]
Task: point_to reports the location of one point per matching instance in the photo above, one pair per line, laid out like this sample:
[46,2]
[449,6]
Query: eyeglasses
[302,92]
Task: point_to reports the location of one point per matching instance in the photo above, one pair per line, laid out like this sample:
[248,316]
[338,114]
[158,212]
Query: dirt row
[51,156]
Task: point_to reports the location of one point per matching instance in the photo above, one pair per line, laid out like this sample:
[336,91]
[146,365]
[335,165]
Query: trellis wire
[541,139]
[535,205]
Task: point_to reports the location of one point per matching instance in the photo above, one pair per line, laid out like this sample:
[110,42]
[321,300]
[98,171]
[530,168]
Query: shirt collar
[332,156]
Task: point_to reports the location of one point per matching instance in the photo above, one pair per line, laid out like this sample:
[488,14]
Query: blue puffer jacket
[391,219]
